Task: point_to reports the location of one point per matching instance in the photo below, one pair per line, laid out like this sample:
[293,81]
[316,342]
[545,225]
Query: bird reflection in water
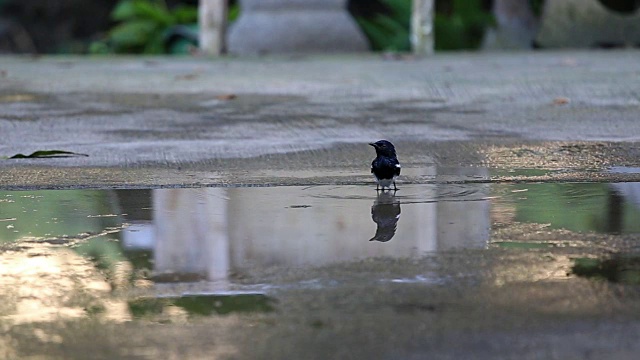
[385,212]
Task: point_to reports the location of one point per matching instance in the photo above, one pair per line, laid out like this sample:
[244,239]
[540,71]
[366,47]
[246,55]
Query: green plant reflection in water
[619,268]
[578,207]
[54,214]
[201,305]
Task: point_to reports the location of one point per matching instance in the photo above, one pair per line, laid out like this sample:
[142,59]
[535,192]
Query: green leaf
[181,39]
[127,10]
[234,12]
[47,154]
[132,33]
[99,48]
[183,14]
[400,11]
[390,24]
[389,34]
[377,37]
[155,44]
[143,26]
[389,30]
[467,7]
[180,47]
[123,11]
[464,27]
[153,11]
[186,35]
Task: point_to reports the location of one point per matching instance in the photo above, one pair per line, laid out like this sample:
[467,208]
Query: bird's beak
[374,145]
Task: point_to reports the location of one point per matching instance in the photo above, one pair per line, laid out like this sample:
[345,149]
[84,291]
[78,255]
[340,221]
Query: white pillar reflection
[312,226]
[420,213]
[209,231]
[191,232]
[463,224]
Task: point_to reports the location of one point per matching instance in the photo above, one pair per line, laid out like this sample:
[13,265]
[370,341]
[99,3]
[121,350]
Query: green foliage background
[145,26]
[151,27]
[170,26]
[458,24]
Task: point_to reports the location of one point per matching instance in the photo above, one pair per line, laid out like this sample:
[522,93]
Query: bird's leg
[377,187]
[395,188]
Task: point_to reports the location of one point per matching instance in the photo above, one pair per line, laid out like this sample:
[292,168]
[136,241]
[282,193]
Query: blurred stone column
[212,23]
[294,26]
[422,35]
[517,25]
[586,23]
[191,233]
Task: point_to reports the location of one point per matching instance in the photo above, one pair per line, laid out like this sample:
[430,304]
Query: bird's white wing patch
[398,166]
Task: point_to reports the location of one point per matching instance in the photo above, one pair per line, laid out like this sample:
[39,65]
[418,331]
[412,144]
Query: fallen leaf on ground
[17,98]
[190,76]
[560,101]
[226,97]
[47,154]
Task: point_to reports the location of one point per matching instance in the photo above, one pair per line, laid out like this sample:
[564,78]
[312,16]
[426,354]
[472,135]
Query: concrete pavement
[221,118]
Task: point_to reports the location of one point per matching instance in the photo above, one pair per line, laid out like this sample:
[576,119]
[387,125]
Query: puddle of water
[171,256]
[184,236]
[182,229]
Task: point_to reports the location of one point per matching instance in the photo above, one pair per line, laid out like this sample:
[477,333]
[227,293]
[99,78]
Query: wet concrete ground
[226,209]
[442,270]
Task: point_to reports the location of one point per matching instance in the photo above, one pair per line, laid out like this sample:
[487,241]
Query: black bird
[385,167]
[385,212]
